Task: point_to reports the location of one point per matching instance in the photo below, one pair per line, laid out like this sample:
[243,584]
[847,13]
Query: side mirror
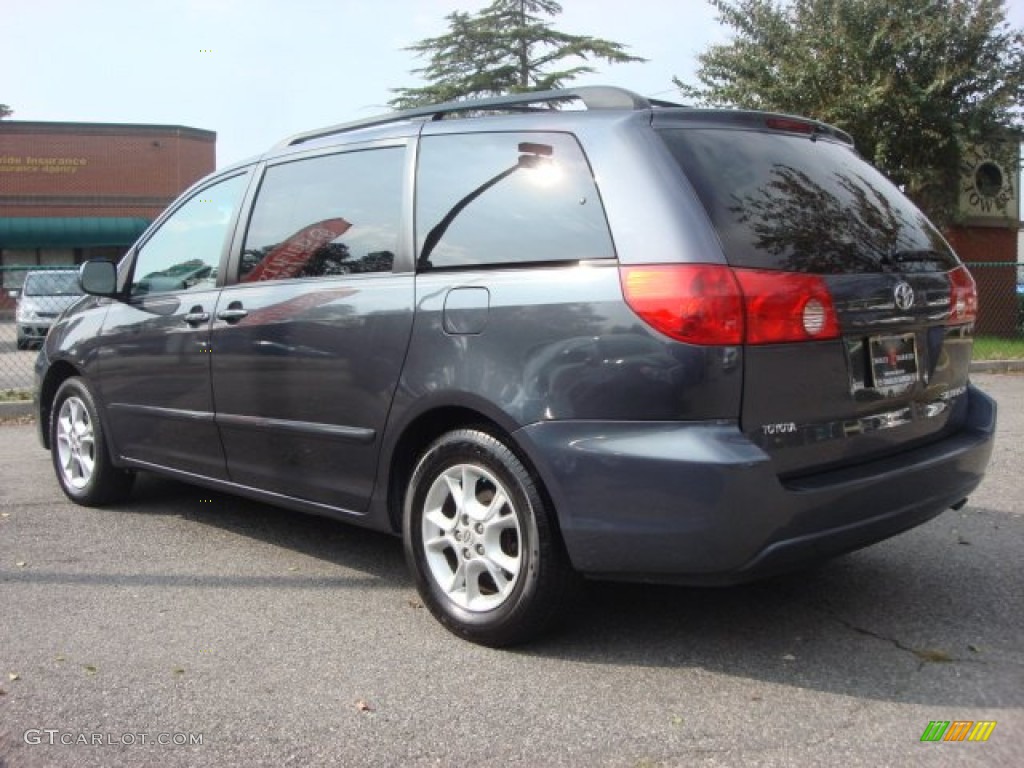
[98,278]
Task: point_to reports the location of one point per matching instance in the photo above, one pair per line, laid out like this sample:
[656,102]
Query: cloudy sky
[255,71]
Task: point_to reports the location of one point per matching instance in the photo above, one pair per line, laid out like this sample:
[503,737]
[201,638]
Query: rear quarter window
[488,199]
[790,202]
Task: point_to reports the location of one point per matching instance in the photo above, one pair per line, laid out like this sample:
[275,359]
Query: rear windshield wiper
[901,257]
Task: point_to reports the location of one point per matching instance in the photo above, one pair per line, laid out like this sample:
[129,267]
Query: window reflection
[184,254]
[852,226]
[325,216]
[792,203]
[506,198]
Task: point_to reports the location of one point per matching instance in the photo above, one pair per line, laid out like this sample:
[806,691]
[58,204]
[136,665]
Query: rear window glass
[780,201]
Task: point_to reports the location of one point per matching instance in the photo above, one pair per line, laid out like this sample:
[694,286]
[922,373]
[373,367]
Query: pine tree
[507,47]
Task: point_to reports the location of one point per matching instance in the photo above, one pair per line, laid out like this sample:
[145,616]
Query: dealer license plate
[893,362]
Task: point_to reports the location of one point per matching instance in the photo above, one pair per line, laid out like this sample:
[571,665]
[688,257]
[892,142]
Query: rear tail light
[717,305]
[695,303]
[963,297]
[787,306]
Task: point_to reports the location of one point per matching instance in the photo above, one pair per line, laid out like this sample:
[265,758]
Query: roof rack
[592,96]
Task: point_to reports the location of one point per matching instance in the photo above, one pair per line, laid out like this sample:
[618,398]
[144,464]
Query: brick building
[75,191]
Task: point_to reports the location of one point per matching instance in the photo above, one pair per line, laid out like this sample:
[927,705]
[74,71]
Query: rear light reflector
[815,317]
[716,305]
[963,297]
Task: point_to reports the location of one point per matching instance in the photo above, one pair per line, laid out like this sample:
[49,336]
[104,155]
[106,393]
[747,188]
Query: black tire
[79,450]
[504,530]
[22,343]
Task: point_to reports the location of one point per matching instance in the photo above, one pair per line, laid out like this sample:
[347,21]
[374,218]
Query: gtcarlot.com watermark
[57,737]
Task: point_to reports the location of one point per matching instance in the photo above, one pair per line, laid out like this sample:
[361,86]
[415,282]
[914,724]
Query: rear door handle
[233,313]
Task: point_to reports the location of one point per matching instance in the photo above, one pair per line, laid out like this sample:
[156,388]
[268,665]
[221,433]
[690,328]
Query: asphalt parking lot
[279,639]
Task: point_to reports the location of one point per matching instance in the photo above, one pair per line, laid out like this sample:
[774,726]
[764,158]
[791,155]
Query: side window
[507,198]
[327,215]
[184,254]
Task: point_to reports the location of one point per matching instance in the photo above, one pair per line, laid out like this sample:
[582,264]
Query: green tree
[507,47]
[5,111]
[915,82]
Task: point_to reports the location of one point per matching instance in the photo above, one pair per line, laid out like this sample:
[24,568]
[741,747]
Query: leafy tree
[506,47]
[5,111]
[914,81]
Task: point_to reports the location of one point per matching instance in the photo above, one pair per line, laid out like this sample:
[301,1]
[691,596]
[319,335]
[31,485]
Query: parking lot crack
[923,655]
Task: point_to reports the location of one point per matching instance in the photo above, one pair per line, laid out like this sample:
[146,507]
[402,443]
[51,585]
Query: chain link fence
[999,334]
[32,297]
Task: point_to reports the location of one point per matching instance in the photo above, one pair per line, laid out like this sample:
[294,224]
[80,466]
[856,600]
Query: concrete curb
[16,409]
[997,366]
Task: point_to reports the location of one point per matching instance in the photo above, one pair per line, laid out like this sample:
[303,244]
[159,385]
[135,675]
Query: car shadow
[892,622]
[371,552]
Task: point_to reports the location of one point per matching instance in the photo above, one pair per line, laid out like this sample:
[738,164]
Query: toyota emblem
[903,295]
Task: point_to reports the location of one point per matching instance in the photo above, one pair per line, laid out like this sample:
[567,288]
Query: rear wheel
[81,456]
[480,541]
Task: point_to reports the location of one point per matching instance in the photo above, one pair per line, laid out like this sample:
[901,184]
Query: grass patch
[999,348]
[14,395]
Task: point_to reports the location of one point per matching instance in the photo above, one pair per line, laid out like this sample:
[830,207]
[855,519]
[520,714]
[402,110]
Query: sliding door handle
[232,315]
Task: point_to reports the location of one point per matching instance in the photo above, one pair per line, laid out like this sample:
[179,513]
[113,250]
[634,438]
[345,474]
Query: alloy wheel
[472,537]
[76,443]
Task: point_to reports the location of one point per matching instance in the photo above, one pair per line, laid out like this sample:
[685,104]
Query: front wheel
[81,456]
[480,541]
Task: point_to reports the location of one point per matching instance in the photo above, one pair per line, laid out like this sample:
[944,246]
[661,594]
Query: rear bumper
[699,503]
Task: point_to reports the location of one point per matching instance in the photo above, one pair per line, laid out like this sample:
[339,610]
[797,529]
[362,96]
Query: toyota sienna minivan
[624,341]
